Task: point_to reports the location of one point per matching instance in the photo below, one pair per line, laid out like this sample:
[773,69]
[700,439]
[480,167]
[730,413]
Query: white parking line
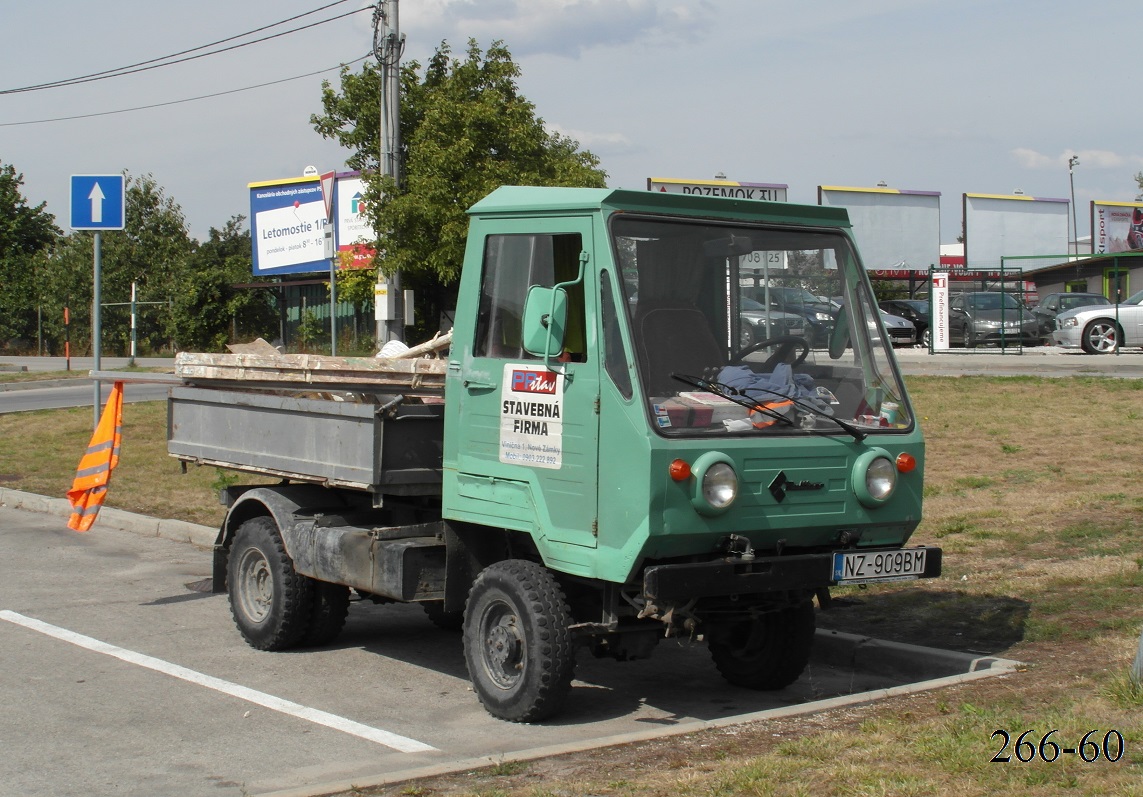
[391,740]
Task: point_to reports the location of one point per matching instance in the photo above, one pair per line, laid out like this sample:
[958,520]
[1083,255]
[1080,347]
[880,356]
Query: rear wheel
[446,621]
[270,602]
[328,611]
[1100,337]
[769,652]
[517,643]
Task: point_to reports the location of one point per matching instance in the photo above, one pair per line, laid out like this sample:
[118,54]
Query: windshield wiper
[742,399]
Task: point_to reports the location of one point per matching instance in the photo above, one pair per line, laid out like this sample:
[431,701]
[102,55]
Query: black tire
[969,337]
[517,643]
[927,338]
[446,621]
[328,610]
[768,653]
[271,603]
[1100,336]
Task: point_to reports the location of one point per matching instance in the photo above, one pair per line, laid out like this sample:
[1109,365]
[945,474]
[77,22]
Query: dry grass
[1034,488]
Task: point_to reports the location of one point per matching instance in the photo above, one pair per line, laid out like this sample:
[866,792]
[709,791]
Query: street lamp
[1073,161]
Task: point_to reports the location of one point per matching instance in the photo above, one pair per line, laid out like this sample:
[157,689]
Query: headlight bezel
[875,478]
[714,472]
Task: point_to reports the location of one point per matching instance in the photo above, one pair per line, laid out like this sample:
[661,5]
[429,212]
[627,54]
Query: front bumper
[735,576]
[1068,337]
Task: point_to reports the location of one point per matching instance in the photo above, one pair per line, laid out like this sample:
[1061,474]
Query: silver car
[1101,330]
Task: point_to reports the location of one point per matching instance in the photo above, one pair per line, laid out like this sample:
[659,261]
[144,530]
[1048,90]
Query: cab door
[526,434]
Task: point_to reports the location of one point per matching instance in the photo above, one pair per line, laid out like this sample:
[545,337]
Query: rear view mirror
[545,321]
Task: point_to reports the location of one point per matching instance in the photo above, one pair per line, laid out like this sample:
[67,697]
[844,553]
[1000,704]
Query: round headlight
[715,484]
[874,477]
[881,479]
[720,485]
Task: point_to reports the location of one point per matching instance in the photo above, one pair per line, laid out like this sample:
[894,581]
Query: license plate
[868,566]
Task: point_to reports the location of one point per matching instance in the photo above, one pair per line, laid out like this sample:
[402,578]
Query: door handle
[473,384]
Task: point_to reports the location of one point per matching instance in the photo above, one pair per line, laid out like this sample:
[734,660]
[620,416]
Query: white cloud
[1093,158]
[558,27]
[598,143]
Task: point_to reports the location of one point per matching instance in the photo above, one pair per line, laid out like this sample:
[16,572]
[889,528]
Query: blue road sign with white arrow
[98,202]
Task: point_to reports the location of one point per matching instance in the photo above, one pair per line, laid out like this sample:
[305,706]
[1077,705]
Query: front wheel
[270,602]
[517,643]
[767,653]
[1100,337]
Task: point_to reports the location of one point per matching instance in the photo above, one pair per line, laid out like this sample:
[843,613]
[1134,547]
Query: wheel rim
[255,585]
[1102,337]
[502,645]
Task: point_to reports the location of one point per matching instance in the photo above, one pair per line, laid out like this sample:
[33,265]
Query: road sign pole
[96,326]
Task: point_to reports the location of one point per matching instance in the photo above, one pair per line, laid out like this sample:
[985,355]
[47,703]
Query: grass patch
[1036,499]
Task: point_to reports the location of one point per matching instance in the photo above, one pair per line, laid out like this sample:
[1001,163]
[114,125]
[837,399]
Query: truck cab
[602,408]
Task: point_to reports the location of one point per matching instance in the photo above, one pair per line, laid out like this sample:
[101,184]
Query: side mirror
[545,321]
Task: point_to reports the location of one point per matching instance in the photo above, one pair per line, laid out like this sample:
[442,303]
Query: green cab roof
[519,200]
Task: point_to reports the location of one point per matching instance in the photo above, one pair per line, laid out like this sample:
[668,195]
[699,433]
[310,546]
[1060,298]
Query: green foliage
[151,251]
[26,234]
[310,330]
[465,131]
[208,311]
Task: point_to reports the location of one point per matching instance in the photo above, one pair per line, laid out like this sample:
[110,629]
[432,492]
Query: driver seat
[676,340]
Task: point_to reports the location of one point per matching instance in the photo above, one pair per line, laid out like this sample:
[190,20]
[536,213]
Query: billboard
[1116,226]
[356,241]
[894,229]
[287,226]
[766,192]
[1004,225]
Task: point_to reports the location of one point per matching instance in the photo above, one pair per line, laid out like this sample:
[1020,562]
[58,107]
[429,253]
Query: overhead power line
[175,58]
[187,99]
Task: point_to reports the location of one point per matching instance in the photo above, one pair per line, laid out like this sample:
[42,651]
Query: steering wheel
[787,345]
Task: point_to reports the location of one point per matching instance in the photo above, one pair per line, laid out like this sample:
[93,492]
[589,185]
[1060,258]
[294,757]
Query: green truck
[599,462]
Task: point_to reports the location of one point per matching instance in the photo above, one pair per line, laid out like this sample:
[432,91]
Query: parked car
[986,317]
[1101,330]
[816,311]
[1055,303]
[901,330]
[914,310]
[758,325]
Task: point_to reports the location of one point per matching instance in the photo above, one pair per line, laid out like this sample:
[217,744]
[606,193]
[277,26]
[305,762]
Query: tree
[465,130]
[26,233]
[151,251]
[207,310]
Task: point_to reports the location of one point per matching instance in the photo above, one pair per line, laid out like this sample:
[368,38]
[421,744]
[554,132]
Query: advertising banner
[894,229]
[939,298]
[765,192]
[287,226]
[1003,225]
[355,238]
[1116,226]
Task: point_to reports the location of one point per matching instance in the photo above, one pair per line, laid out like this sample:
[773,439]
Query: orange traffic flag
[90,485]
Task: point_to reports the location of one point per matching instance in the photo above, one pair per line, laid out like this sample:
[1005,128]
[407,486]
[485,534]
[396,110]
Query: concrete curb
[165,528]
[41,384]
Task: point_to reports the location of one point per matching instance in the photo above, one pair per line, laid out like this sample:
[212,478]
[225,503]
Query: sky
[977,96]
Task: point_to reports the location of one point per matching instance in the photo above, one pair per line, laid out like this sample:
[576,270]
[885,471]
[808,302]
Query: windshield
[992,301]
[734,330]
[1134,299]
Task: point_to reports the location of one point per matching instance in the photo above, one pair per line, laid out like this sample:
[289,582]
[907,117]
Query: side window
[512,264]
[614,359]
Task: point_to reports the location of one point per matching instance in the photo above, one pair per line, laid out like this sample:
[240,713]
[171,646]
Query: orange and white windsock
[89,488]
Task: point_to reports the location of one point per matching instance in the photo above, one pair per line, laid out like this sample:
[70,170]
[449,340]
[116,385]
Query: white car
[1101,329]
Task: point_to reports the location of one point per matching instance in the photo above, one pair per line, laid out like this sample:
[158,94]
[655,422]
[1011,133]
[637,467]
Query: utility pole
[388,44]
[1073,161]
